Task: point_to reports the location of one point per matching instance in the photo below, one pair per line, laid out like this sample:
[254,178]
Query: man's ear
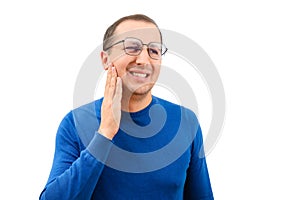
[105,59]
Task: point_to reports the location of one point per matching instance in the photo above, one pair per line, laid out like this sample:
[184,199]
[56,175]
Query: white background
[255,46]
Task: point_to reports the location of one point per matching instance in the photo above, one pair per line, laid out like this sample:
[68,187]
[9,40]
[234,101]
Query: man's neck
[136,102]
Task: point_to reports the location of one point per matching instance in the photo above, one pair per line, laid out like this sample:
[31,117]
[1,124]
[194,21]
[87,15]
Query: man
[129,144]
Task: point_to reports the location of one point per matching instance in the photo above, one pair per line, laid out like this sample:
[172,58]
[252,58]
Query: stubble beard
[137,93]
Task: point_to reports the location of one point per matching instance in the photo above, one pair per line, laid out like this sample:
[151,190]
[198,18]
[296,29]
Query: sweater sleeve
[197,184]
[75,171]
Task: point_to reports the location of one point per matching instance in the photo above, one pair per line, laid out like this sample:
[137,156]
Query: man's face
[138,73]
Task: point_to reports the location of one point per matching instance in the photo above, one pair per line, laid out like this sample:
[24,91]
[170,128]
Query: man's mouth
[139,74]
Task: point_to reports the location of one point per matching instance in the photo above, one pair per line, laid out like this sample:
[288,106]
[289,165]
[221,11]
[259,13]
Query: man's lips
[139,73]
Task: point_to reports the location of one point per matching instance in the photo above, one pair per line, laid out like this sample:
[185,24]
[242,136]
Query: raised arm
[79,159]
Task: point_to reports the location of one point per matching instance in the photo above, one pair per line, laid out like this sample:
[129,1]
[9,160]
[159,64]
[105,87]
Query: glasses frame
[164,49]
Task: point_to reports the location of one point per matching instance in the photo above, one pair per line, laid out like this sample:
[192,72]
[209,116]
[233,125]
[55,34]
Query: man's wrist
[108,136]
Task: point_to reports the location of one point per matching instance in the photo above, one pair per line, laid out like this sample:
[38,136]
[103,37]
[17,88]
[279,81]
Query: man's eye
[154,51]
[133,48]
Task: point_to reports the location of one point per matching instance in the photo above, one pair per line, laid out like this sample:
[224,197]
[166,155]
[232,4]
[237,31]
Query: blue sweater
[156,154]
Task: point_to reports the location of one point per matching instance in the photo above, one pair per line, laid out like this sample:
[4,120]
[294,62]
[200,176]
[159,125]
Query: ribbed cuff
[100,147]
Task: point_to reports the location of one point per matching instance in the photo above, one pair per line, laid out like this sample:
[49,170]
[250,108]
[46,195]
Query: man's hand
[111,105]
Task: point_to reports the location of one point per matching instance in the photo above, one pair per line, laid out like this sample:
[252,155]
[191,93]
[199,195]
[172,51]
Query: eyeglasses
[134,47]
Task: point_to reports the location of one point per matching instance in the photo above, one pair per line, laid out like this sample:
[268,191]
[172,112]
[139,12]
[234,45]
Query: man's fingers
[108,74]
[113,72]
[118,92]
[112,84]
[111,106]
[108,79]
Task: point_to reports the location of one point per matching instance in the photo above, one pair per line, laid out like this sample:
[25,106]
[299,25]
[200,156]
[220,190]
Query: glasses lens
[132,46]
[155,50]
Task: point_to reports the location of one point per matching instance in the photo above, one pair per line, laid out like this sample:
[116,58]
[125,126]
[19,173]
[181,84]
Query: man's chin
[141,91]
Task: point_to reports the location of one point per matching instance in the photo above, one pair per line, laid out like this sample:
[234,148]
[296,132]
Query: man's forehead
[146,32]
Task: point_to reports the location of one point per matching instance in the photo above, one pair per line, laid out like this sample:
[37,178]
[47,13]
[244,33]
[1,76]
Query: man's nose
[143,57]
